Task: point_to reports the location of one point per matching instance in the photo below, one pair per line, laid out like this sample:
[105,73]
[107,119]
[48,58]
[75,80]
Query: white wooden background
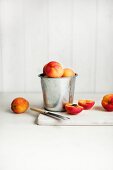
[77,33]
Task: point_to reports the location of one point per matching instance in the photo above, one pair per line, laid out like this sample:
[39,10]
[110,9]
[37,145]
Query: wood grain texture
[1,75]
[0,72]
[104,58]
[36,42]
[60,35]
[0,63]
[77,33]
[12,45]
[84,34]
[1,85]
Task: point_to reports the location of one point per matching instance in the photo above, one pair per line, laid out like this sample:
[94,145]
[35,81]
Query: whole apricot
[53,69]
[68,72]
[19,105]
[107,102]
[44,69]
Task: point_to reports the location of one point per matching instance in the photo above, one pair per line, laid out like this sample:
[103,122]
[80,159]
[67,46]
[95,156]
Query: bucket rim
[42,76]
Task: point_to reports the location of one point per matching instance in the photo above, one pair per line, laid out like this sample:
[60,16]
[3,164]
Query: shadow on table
[98,108]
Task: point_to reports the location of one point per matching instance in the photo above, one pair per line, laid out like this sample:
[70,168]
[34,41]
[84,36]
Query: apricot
[107,102]
[19,105]
[68,72]
[53,69]
[44,69]
[86,104]
[73,109]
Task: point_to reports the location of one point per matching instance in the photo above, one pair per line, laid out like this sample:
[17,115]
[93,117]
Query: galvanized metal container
[57,91]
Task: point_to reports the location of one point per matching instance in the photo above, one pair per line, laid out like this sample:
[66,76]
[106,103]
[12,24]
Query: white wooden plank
[12,45]
[60,31]
[0,52]
[36,52]
[1,75]
[84,33]
[104,58]
[0,70]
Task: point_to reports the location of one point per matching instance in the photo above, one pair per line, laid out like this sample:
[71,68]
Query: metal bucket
[57,91]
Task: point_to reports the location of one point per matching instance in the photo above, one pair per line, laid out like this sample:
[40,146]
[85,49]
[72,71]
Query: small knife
[50,114]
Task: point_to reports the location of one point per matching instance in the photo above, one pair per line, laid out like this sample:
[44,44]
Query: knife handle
[44,112]
[38,110]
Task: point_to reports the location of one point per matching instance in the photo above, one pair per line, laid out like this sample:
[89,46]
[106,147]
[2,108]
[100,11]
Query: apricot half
[73,109]
[68,72]
[86,104]
[107,102]
[53,69]
[19,105]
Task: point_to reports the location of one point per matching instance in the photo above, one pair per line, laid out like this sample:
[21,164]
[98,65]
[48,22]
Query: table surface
[26,146]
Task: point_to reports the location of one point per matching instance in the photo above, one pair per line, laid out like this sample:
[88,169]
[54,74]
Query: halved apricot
[73,109]
[86,104]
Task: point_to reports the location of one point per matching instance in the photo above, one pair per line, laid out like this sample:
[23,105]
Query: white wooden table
[26,146]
